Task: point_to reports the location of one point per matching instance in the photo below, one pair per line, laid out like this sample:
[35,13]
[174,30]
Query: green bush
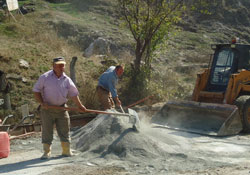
[135,85]
[162,85]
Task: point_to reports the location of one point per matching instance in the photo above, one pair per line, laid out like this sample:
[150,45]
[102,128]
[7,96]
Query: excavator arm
[237,84]
[201,83]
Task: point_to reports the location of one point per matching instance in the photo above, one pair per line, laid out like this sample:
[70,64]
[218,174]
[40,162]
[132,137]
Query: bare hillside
[68,28]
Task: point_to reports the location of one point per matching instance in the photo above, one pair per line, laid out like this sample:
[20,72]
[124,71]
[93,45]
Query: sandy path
[109,146]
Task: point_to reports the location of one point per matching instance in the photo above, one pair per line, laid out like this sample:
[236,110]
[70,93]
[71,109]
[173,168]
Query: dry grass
[33,40]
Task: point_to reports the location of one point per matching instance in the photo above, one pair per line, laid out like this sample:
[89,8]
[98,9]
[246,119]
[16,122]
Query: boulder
[23,64]
[100,46]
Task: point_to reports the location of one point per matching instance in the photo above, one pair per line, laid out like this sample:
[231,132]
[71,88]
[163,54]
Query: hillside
[68,29]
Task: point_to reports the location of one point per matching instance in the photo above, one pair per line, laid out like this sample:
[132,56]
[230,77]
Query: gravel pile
[109,136]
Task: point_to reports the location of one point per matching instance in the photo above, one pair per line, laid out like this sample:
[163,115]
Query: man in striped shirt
[53,88]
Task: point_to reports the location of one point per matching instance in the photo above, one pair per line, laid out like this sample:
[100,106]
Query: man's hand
[39,99]
[118,102]
[77,101]
[83,108]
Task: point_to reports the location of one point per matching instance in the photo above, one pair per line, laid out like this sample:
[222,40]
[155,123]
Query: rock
[100,46]
[26,9]
[14,76]
[101,57]
[1,103]
[23,64]
[109,62]
[24,80]
[89,51]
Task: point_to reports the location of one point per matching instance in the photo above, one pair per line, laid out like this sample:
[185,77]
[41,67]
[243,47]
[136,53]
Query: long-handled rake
[133,116]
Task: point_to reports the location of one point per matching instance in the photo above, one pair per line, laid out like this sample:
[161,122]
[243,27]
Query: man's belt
[39,107]
[63,105]
[102,88]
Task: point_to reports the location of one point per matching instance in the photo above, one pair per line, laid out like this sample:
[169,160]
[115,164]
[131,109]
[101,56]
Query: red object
[4,145]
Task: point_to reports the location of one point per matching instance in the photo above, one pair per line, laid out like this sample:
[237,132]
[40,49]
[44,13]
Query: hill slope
[68,29]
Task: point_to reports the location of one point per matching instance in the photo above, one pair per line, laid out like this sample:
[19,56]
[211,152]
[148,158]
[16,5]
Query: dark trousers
[105,98]
[58,118]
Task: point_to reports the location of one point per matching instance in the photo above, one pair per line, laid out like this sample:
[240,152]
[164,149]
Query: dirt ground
[109,146]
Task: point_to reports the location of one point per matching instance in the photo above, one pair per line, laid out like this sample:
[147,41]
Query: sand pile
[109,136]
[110,140]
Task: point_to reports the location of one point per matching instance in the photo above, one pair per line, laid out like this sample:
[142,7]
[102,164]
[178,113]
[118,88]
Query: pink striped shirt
[54,90]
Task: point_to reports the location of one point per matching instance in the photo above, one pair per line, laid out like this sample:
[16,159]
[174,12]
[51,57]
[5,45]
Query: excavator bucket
[196,117]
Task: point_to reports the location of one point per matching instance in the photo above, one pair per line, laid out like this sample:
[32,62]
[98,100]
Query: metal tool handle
[104,112]
[133,117]
[88,110]
[122,109]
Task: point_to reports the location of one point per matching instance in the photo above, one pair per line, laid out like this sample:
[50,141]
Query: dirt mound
[112,137]
[111,140]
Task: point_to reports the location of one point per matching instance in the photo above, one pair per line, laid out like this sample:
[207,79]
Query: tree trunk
[138,55]
[72,69]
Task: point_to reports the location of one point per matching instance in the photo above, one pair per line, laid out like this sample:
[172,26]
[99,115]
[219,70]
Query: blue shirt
[108,81]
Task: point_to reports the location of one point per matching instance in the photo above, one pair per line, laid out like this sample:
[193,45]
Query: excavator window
[222,67]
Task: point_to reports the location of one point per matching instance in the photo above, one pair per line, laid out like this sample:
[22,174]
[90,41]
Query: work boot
[66,152]
[47,151]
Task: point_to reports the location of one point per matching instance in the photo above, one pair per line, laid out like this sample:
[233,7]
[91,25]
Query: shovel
[133,116]
[122,109]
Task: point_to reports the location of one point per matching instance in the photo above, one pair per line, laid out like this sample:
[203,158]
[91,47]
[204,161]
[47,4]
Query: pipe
[22,135]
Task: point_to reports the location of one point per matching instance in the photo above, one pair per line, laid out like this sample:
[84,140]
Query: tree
[151,21]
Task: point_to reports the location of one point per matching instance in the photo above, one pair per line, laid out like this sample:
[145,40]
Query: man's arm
[117,101]
[112,83]
[77,101]
[39,99]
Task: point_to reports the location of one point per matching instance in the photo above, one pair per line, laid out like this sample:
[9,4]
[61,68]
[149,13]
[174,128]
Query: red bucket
[4,145]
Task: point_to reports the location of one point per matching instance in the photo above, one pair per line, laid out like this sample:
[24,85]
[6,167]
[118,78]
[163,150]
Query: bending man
[106,89]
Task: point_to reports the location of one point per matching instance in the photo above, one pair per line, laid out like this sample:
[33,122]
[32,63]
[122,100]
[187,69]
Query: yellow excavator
[220,104]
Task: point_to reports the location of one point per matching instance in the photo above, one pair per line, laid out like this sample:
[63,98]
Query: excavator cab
[224,64]
[214,108]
